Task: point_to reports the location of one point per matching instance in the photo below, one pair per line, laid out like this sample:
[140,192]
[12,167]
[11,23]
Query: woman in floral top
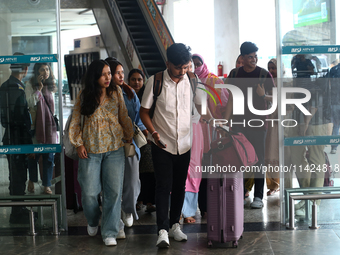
[99,144]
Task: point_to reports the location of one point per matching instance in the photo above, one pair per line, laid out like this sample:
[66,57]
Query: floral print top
[104,130]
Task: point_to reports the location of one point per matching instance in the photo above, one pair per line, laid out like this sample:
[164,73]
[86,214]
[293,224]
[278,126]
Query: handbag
[232,151]
[129,150]
[139,137]
[70,150]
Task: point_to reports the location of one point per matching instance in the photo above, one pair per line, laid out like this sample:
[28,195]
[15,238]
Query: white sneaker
[177,233]
[300,212]
[257,203]
[121,234]
[110,241]
[127,219]
[299,205]
[92,231]
[163,239]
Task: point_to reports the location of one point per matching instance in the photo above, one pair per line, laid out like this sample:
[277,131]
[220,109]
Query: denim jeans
[171,173]
[48,163]
[102,172]
[336,122]
[131,186]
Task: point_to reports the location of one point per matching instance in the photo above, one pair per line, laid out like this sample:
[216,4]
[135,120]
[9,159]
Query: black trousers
[17,165]
[170,173]
[147,190]
[257,137]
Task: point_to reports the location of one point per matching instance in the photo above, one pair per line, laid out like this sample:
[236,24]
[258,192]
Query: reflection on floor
[263,234]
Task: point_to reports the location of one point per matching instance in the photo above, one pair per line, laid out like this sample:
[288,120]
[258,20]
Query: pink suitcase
[225,208]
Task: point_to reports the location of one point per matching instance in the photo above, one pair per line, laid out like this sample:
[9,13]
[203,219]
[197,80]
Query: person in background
[311,157]
[131,186]
[99,143]
[271,155]
[334,75]
[239,61]
[216,111]
[16,120]
[249,76]
[248,177]
[194,178]
[39,92]
[136,80]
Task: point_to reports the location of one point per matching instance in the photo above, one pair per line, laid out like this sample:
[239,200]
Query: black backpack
[158,85]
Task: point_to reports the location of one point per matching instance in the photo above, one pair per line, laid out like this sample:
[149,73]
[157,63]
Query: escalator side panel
[131,36]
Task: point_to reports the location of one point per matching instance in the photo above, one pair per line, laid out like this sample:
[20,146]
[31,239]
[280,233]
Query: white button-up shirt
[173,112]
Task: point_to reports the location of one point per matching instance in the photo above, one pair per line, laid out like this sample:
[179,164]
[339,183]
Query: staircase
[141,36]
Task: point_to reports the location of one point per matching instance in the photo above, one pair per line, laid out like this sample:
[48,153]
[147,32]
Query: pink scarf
[202,71]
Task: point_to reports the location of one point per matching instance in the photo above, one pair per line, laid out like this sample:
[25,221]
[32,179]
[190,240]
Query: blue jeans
[190,204]
[48,163]
[336,122]
[102,172]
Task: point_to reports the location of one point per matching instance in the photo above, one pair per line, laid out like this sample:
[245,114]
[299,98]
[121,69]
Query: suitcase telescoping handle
[208,124]
[209,137]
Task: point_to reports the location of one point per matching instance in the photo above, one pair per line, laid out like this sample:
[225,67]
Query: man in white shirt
[170,126]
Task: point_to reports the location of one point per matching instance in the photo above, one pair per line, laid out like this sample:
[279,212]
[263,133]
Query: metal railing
[313,197]
[53,205]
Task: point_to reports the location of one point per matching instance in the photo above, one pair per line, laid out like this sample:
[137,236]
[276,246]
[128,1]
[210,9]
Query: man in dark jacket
[16,120]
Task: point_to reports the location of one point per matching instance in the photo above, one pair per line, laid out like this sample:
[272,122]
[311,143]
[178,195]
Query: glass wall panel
[310,73]
[29,107]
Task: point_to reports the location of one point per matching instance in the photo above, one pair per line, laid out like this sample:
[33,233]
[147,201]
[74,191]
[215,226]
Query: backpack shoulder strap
[193,83]
[157,89]
[157,84]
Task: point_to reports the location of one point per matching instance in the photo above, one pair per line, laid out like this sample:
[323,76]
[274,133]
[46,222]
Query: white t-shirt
[173,113]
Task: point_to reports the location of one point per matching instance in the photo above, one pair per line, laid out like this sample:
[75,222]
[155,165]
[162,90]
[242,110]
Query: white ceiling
[44,23]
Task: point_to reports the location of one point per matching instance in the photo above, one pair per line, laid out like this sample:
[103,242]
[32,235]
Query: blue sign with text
[312,140]
[19,59]
[30,148]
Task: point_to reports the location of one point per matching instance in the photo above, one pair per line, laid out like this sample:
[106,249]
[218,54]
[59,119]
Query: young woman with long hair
[136,80]
[99,143]
[39,92]
[131,187]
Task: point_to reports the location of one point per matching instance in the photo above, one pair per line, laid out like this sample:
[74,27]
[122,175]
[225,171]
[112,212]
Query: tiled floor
[263,233]
[285,242]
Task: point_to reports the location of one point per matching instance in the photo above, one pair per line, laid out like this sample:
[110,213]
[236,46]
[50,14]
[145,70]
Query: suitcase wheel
[235,243]
[209,244]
